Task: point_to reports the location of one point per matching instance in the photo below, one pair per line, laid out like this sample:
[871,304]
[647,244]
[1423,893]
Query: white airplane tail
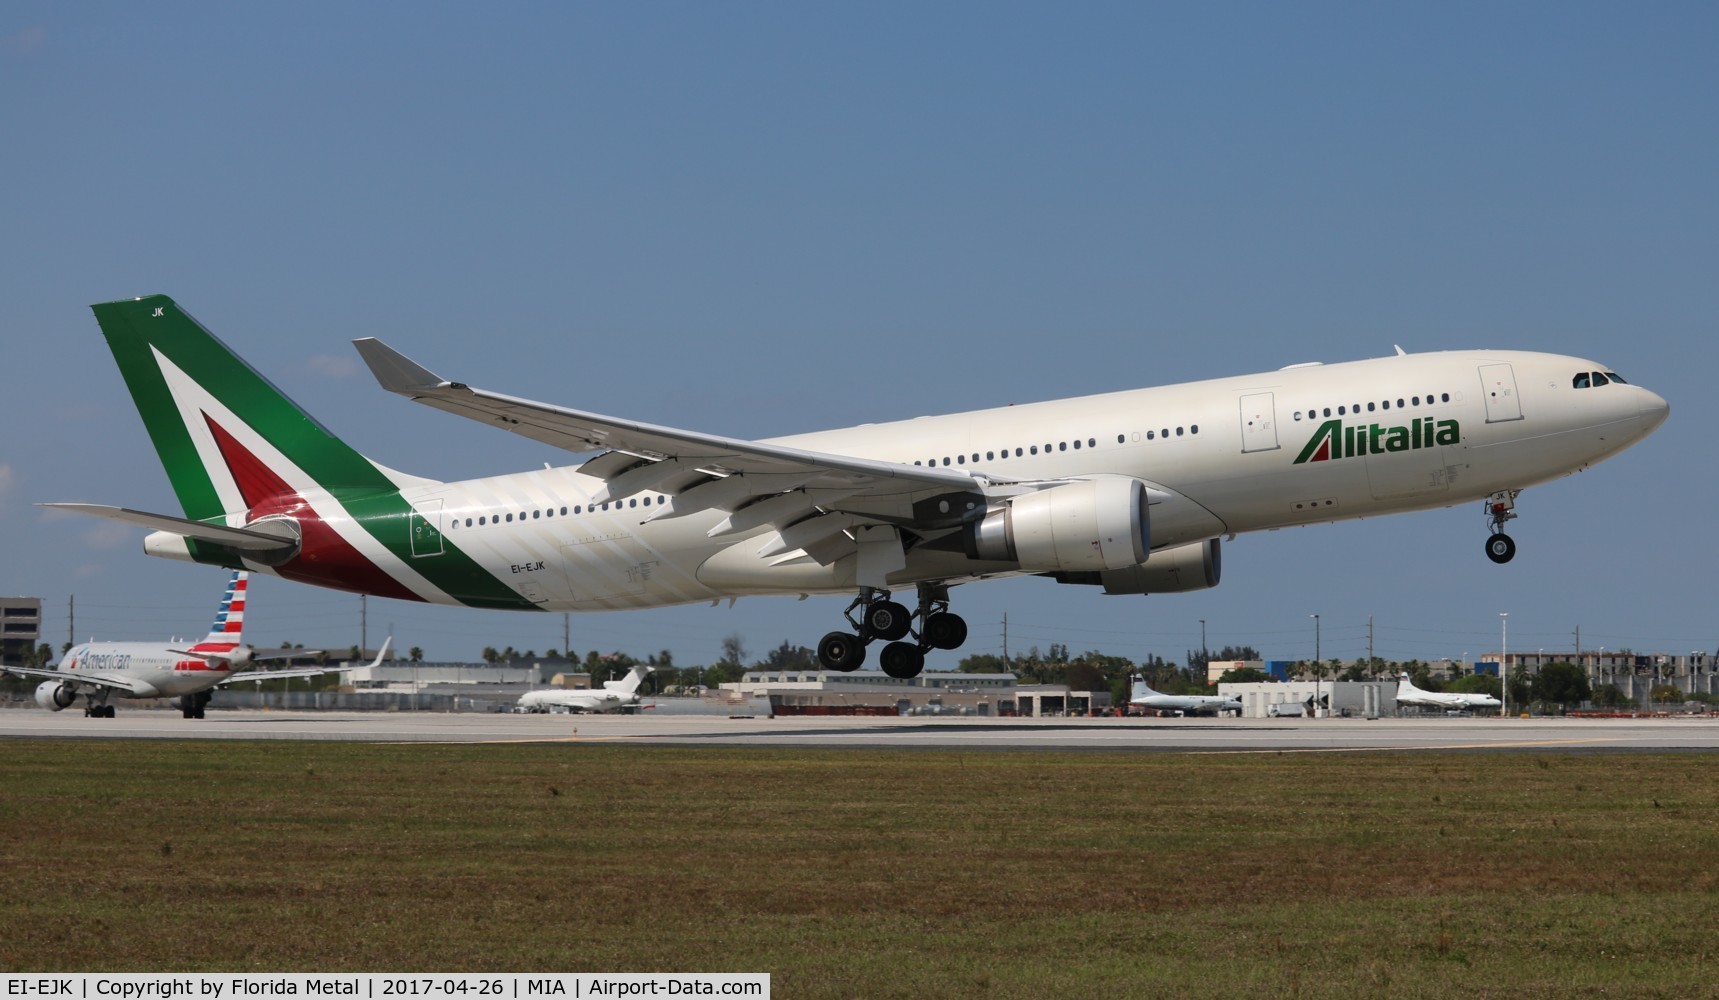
[629,683]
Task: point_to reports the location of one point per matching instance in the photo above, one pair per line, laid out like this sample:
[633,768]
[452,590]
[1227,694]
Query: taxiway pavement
[1177,735]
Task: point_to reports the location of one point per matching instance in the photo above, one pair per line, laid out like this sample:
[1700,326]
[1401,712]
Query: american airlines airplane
[1143,696]
[98,671]
[615,696]
[1127,492]
[1408,694]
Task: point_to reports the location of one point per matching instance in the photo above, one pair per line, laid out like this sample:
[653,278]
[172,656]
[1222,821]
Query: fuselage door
[427,529]
[1258,423]
[1499,384]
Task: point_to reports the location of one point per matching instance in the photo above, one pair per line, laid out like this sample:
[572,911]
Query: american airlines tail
[228,630]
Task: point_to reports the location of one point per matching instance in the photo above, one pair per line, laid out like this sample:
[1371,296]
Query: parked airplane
[1144,697]
[97,671]
[615,696]
[1128,491]
[1408,694]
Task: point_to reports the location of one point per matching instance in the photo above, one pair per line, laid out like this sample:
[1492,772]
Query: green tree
[1609,696]
[1243,675]
[1558,684]
[1475,684]
[981,663]
[733,650]
[415,655]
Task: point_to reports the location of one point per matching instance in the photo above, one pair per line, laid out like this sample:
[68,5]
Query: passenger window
[535,515]
[1328,411]
[1077,444]
[1178,432]
[1063,446]
[1445,398]
[1151,435]
[1340,411]
[1369,407]
[1193,428]
[1400,404]
[990,456]
[1298,414]
[468,522]
[1386,404]
[1416,400]
[563,512]
[1119,439]
[1017,453]
[1164,432]
[510,519]
[1092,442]
[482,521]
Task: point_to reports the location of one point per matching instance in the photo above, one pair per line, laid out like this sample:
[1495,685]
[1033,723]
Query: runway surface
[1178,735]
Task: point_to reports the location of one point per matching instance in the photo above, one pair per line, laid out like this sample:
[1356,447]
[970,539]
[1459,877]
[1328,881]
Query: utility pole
[1370,644]
[1318,661]
[1006,641]
[71,620]
[566,636]
[363,624]
[1504,664]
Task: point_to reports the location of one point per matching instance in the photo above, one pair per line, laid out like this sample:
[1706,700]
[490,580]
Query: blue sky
[758,219]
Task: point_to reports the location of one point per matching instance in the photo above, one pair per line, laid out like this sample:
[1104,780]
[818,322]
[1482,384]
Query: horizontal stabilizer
[270,536]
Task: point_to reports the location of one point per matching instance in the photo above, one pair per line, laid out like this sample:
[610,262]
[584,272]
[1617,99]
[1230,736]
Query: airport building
[20,627]
[932,692]
[1351,699]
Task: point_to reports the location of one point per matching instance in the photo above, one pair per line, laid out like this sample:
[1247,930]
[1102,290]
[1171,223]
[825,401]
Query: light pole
[1503,664]
[1318,688]
[1205,658]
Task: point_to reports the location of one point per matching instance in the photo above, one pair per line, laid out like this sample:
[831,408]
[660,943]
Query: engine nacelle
[1195,566]
[55,696]
[1086,526]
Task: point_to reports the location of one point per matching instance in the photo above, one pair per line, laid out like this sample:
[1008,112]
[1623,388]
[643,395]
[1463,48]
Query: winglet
[395,371]
[381,654]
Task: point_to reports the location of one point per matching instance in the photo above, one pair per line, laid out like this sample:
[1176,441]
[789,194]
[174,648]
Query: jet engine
[55,696]
[1195,566]
[1086,526]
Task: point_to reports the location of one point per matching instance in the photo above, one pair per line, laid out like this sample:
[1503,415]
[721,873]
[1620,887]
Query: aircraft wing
[757,483]
[75,677]
[281,675]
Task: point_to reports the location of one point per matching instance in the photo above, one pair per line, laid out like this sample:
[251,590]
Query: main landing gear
[881,618]
[97,710]
[192,705]
[1501,507]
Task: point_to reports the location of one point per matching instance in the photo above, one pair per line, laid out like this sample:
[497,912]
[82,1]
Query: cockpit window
[1580,381]
[1615,377]
[1600,379]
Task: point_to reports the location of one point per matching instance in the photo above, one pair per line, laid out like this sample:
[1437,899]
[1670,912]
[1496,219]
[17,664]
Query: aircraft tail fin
[631,682]
[228,438]
[229,626]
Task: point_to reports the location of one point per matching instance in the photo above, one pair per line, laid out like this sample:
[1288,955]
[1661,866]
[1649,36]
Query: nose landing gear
[881,618]
[1500,508]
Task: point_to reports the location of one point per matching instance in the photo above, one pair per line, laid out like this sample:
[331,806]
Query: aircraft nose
[1653,409]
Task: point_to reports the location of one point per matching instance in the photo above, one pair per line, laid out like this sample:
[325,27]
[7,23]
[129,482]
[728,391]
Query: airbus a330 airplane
[1408,694]
[98,671]
[1129,492]
[1142,696]
[615,696]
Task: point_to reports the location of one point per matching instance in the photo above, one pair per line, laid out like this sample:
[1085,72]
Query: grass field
[872,874]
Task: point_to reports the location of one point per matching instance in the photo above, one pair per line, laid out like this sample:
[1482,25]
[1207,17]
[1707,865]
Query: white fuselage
[1228,456]
[576,701]
[155,670]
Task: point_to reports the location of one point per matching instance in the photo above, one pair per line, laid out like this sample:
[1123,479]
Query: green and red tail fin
[226,435]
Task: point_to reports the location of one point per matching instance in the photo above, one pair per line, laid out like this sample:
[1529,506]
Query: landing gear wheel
[841,651]
[887,620]
[902,660]
[944,631]
[1500,548]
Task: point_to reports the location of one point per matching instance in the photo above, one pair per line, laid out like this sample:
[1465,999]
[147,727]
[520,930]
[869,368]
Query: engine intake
[55,696]
[1087,526]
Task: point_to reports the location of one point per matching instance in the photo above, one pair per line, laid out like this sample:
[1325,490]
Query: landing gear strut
[1500,508]
[192,705]
[97,710]
[881,618]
